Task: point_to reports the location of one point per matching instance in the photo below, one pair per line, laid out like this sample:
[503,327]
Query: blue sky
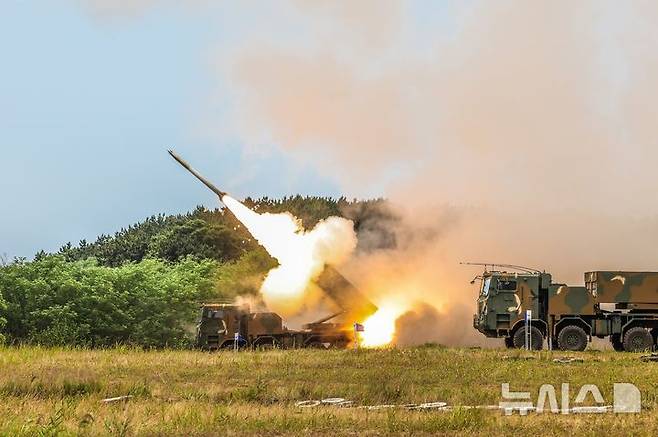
[408,100]
[88,108]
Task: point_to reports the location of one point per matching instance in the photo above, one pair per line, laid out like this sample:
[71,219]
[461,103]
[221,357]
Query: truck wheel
[265,346]
[536,338]
[509,342]
[615,340]
[637,339]
[316,345]
[338,344]
[572,338]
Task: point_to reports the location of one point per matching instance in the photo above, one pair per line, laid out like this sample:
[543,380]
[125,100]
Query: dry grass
[59,392]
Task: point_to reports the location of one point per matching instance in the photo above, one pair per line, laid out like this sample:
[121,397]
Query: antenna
[506,266]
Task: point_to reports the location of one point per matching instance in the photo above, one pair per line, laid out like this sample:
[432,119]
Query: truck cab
[218,324]
[504,297]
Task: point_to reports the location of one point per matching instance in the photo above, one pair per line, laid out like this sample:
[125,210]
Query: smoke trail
[302,255]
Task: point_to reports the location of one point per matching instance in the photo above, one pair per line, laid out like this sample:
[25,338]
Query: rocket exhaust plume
[302,255]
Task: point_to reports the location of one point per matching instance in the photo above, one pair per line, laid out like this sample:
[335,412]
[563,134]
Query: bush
[244,276]
[151,303]
[3,321]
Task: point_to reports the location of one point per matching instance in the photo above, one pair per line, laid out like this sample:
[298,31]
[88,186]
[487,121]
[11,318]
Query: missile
[196,174]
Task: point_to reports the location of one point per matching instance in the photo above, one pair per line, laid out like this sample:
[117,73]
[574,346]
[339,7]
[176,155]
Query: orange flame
[379,329]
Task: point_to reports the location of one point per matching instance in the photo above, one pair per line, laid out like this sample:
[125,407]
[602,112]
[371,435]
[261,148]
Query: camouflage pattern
[219,323]
[568,300]
[265,324]
[502,309]
[504,299]
[620,305]
[627,290]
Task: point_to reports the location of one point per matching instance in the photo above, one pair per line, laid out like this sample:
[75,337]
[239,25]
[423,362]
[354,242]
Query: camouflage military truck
[622,306]
[224,326]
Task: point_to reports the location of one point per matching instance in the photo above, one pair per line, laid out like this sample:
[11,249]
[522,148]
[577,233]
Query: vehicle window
[485,287]
[506,285]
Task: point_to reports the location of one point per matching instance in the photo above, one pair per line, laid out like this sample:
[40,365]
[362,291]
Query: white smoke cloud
[532,121]
[521,92]
[301,255]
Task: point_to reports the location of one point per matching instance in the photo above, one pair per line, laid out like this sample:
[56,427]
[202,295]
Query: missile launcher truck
[224,326]
[619,305]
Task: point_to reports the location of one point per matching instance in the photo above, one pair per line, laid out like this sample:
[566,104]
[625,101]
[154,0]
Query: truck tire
[509,342]
[572,338]
[265,346]
[617,344]
[338,344]
[536,338]
[638,339]
[315,345]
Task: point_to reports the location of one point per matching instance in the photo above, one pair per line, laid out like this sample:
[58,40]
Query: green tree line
[144,284]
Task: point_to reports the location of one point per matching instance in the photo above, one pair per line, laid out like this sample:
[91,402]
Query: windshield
[485,287]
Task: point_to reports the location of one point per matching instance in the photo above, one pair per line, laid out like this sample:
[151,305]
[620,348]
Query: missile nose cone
[196,174]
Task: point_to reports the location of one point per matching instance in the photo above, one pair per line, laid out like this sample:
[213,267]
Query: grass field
[59,391]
